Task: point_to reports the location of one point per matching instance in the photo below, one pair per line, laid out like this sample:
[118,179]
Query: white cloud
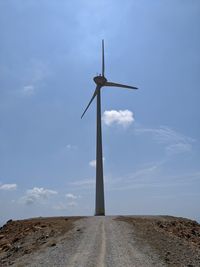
[70,203]
[28,90]
[8,187]
[37,194]
[121,117]
[70,147]
[71,196]
[92,163]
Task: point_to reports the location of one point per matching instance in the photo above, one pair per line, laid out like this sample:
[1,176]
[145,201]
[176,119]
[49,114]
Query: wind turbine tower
[101,81]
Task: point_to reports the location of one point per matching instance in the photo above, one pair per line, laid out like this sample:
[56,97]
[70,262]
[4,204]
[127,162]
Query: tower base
[99,214]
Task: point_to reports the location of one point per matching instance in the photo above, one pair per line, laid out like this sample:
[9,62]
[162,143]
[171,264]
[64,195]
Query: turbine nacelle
[100,80]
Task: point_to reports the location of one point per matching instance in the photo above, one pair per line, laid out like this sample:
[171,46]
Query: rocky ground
[22,237]
[176,240]
[142,240]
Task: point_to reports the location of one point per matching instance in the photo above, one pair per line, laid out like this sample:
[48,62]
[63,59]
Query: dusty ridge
[101,241]
[23,237]
[175,240]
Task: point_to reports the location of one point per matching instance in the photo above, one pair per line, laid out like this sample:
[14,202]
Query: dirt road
[95,241]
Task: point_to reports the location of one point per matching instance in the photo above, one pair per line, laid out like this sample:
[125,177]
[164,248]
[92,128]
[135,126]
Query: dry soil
[100,241]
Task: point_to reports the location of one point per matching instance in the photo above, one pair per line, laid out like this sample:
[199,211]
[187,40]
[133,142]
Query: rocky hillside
[176,241]
[21,237]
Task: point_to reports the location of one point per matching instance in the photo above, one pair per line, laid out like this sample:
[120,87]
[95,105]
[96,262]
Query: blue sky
[49,53]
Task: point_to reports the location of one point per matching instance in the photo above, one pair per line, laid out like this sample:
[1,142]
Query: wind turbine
[101,81]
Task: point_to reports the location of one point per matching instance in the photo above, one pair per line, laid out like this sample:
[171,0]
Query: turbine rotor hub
[100,80]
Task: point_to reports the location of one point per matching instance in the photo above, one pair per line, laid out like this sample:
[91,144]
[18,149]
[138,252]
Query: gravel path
[95,242]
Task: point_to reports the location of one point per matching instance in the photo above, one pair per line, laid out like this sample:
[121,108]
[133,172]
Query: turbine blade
[103,63]
[95,93]
[119,85]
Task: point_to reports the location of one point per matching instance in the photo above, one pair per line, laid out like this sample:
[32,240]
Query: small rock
[6,247]
[38,227]
[27,251]
[194,232]
[15,239]
[1,236]
[16,248]
[188,235]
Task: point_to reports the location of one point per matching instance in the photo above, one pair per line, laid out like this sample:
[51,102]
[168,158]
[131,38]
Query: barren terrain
[175,240]
[101,241]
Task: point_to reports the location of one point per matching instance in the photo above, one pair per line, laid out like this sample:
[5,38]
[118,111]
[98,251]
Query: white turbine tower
[100,82]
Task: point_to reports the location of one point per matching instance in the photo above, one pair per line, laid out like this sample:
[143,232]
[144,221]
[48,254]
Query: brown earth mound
[176,240]
[21,237]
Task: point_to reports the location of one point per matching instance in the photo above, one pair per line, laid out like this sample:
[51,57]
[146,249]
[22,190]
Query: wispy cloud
[60,206]
[154,176]
[37,194]
[71,147]
[147,171]
[34,76]
[92,163]
[65,206]
[28,90]
[69,203]
[39,70]
[84,183]
[72,201]
[8,187]
[178,148]
[174,141]
[139,178]
[72,204]
[121,117]
[71,196]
